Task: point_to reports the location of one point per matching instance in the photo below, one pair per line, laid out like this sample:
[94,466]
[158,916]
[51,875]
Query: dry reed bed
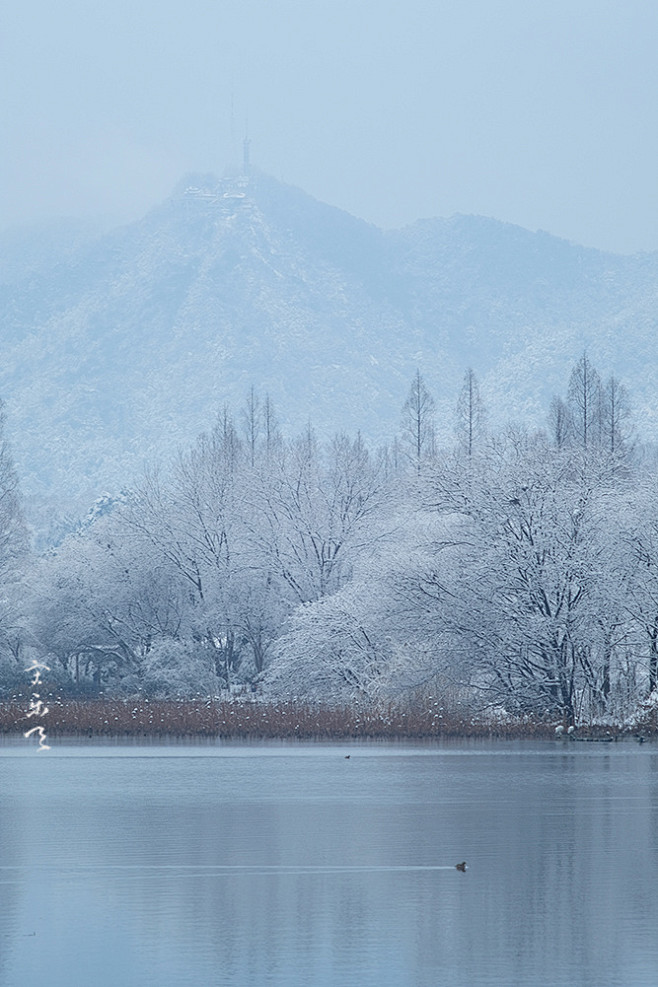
[240,719]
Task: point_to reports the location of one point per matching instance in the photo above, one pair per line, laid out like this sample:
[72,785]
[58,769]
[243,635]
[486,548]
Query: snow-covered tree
[315,514]
[13,561]
[470,414]
[559,422]
[359,643]
[515,581]
[615,418]
[585,404]
[100,600]
[417,426]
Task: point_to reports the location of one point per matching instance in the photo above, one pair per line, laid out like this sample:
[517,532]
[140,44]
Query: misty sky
[541,114]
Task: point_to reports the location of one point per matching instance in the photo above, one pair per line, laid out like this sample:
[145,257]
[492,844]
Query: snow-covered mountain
[119,346]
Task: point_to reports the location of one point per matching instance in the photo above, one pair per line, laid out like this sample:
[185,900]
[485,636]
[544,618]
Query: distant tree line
[516,570]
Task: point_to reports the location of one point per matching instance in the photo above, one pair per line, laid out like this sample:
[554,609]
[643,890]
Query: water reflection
[292,865]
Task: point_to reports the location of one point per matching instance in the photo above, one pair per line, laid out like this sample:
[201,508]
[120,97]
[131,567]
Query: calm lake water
[176,865]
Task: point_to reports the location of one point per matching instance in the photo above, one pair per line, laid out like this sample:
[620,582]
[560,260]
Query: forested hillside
[129,343]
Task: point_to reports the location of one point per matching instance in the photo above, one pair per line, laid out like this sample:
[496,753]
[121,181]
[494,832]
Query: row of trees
[517,569]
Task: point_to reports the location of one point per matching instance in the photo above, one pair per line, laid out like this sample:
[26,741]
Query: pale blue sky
[541,114]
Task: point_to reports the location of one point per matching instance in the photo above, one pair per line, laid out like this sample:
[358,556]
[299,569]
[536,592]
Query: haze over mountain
[121,346]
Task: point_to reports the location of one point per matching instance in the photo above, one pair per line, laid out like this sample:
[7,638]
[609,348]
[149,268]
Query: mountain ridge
[124,345]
